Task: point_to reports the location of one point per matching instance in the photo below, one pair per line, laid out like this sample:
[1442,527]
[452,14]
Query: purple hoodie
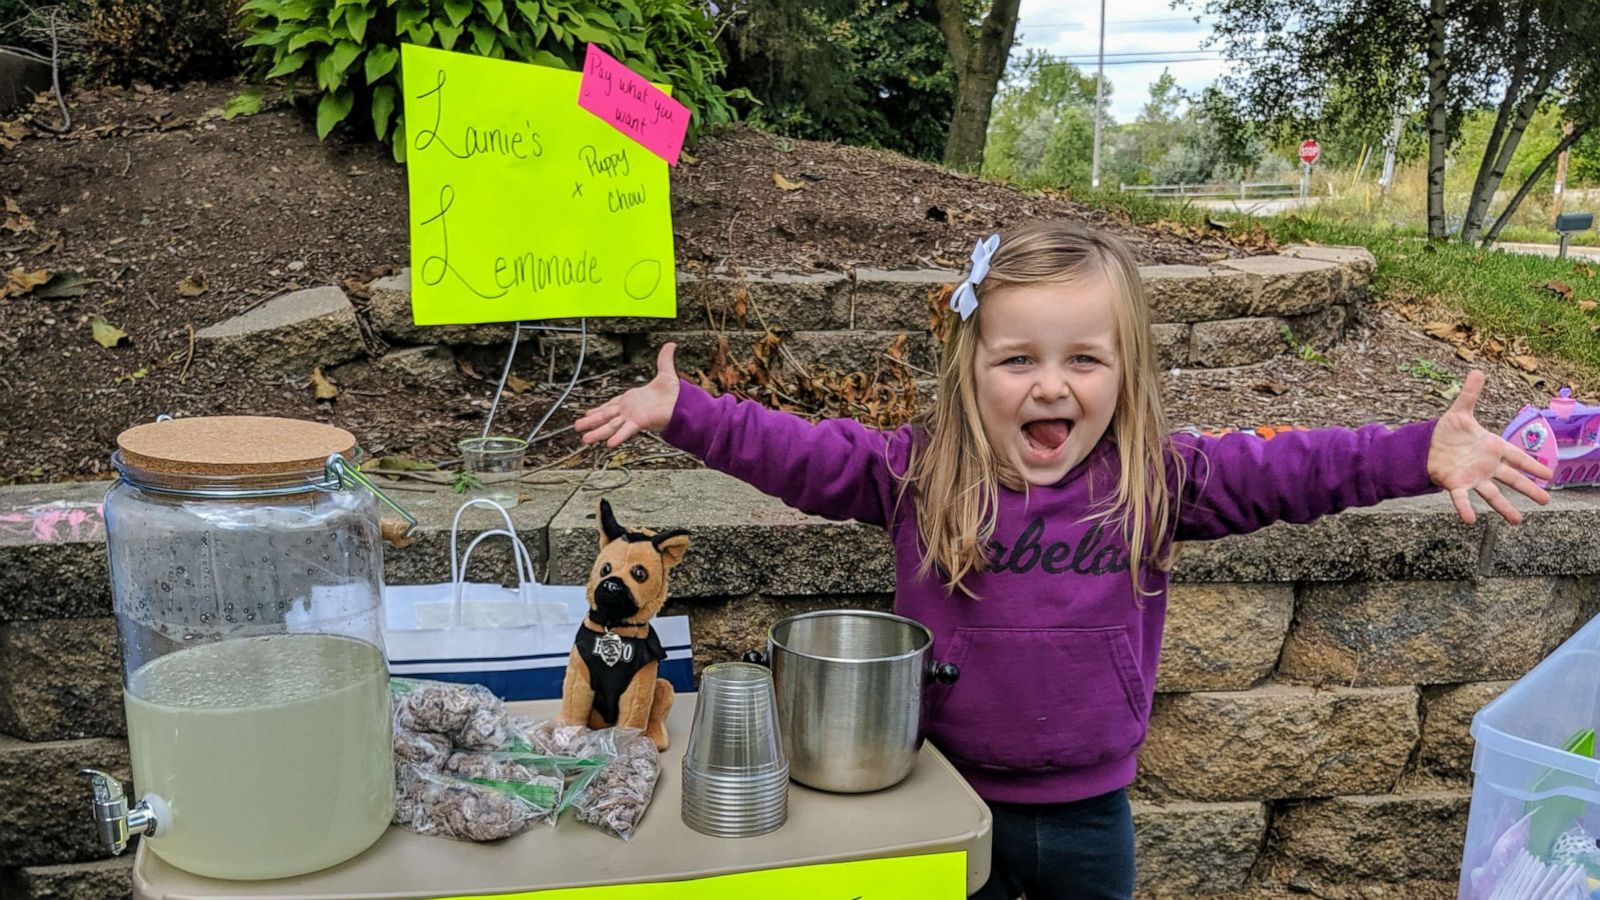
[1058,660]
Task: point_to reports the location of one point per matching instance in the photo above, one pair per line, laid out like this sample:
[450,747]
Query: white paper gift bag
[515,642]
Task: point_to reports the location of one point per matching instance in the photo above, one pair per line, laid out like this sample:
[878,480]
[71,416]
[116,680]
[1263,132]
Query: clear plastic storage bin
[1535,817]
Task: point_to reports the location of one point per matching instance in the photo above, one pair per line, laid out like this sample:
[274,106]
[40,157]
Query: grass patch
[1497,292]
[1144,209]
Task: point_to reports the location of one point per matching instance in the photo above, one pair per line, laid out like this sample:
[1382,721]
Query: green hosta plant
[350,49]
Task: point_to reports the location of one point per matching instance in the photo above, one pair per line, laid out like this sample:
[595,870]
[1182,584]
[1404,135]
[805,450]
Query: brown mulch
[1369,377]
[852,206]
[152,191]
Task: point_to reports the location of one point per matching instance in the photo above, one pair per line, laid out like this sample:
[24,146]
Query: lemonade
[273,753]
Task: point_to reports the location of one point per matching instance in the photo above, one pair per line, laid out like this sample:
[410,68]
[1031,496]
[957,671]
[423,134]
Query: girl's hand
[645,408]
[1464,457]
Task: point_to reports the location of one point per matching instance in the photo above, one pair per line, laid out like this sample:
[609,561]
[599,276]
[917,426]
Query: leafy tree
[1548,41]
[1043,123]
[1179,139]
[1510,55]
[979,55]
[1582,109]
[867,72]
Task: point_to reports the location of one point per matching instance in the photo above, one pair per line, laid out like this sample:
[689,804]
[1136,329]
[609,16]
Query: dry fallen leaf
[1444,331]
[785,184]
[518,385]
[19,281]
[192,285]
[1532,380]
[52,244]
[12,207]
[1526,363]
[1559,287]
[1467,353]
[467,369]
[321,387]
[1587,305]
[1270,387]
[741,306]
[11,134]
[106,334]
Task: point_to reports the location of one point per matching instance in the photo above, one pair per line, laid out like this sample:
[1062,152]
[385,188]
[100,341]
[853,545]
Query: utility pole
[1099,99]
[1561,175]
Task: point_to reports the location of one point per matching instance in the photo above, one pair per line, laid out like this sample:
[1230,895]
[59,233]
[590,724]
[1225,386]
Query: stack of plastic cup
[735,777]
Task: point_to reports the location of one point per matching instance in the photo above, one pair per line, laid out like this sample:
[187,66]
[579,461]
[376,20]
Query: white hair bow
[965,299]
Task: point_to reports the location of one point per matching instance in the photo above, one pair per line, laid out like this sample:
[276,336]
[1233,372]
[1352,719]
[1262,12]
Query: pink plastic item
[1565,437]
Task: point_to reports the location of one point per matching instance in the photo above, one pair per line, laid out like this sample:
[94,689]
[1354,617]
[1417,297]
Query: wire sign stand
[505,372]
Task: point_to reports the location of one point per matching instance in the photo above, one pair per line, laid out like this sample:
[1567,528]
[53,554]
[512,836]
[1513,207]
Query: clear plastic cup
[735,777]
[491,467]
[735,730]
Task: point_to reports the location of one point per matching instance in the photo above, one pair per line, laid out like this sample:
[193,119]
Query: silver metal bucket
[849,687]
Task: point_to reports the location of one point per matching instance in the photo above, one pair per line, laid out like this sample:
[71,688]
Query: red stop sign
[1310,150]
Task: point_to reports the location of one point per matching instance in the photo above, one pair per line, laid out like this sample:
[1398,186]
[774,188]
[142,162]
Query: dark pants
[1062,851]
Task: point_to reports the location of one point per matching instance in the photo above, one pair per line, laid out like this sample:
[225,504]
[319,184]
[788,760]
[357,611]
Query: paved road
[1257,207]
[1573,250]
[1272,207]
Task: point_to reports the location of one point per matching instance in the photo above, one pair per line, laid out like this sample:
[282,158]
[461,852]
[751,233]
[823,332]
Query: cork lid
[233,445]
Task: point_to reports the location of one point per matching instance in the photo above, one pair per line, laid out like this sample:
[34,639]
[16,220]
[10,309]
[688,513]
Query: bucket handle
[943,673]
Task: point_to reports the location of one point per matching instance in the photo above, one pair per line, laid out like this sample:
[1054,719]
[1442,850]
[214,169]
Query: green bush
[351,48]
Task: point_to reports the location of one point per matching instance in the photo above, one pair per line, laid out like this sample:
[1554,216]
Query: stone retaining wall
[1232,313]
[1312,709]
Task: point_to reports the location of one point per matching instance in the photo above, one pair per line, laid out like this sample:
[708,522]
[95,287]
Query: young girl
[1033,514]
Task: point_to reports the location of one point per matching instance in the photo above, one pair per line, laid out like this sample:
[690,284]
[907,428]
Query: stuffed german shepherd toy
[611,674]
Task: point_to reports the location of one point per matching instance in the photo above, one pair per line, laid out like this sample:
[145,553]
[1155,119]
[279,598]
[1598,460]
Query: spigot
[112,818]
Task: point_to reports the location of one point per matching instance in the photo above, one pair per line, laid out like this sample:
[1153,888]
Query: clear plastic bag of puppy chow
[472,808]
[470,715]
[616,798]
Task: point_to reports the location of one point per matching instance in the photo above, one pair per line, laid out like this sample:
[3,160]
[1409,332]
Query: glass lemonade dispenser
[247,573]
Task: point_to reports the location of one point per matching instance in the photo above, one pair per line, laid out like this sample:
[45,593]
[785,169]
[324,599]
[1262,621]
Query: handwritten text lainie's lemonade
[609,171]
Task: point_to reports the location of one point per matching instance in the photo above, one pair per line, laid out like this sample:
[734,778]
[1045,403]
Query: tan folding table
[932,811]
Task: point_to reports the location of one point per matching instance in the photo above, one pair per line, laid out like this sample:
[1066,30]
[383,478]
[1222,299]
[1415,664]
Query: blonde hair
[956,474]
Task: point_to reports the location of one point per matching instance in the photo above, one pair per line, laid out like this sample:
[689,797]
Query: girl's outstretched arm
[836,468]
[1239,483]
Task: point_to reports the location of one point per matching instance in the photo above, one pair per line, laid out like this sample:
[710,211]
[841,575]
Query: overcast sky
[1136,30]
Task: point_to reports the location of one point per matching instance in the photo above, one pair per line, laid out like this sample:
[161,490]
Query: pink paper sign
[632,105]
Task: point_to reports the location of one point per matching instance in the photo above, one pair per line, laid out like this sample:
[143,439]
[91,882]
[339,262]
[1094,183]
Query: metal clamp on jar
[247,582]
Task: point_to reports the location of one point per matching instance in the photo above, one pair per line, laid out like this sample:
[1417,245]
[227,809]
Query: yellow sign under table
[926,838]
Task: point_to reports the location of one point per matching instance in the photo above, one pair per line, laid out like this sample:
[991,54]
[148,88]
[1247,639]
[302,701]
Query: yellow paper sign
[936,876]
[524,205]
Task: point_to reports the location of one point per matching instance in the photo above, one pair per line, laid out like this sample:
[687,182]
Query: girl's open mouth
[1046,436]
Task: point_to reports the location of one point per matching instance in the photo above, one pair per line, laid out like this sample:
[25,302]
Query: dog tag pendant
[609,648]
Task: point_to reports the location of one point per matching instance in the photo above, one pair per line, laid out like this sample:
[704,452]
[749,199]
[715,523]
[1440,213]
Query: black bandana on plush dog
[611,672]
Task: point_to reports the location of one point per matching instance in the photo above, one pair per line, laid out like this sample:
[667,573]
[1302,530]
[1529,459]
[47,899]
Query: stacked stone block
[1235,312]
